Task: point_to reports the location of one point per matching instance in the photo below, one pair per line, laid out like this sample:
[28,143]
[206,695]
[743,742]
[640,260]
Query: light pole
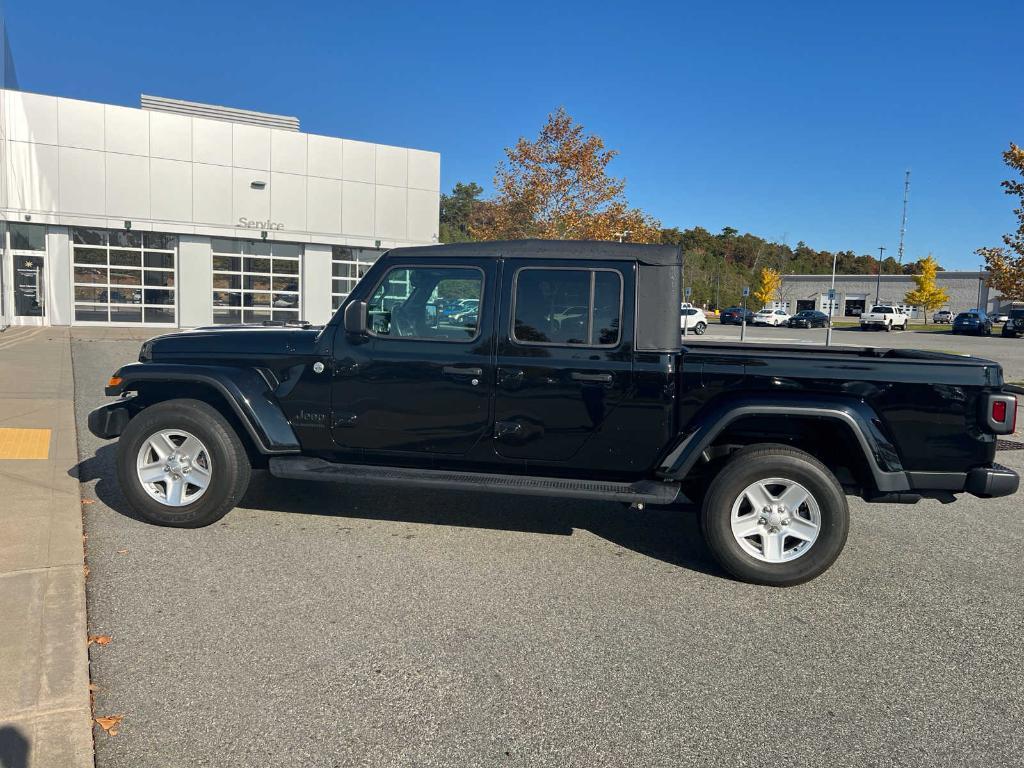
[878,281]
[831,301]
[981,274]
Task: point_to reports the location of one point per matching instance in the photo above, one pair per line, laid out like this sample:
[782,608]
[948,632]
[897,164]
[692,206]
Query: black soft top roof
[656,255]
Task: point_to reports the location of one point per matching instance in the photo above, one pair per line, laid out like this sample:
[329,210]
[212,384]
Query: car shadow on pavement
[14,748]
[670,534]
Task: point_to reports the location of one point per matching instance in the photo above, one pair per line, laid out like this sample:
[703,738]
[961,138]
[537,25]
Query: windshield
[969,316]
[882,310]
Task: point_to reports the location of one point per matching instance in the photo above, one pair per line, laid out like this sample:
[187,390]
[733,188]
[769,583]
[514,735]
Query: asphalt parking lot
[328,625]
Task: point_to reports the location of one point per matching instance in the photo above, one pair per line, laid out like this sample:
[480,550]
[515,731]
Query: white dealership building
[180,214]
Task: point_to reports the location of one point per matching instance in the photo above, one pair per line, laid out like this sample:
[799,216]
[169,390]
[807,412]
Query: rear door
[561,371]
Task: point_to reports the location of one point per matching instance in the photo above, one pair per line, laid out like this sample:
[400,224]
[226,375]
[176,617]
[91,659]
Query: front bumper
[109,420]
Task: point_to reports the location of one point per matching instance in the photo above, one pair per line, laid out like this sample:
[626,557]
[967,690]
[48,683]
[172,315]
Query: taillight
[999,411]
[1002,414]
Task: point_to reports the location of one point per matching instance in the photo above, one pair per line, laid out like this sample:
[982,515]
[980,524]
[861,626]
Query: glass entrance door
[29,286]
[27,248]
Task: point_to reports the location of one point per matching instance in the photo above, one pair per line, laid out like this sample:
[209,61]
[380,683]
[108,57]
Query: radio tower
[903,223]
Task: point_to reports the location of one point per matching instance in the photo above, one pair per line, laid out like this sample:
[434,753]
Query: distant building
[856,293]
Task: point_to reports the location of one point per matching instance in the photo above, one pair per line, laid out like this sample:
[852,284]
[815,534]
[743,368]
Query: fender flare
[244,389]
[879,453]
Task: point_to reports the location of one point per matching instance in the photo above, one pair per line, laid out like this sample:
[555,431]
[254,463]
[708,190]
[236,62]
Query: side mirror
[355,318]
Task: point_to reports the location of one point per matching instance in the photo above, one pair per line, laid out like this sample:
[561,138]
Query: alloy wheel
[174,467]
[775,520]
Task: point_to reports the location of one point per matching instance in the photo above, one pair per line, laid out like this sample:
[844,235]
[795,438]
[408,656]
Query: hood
[224,343]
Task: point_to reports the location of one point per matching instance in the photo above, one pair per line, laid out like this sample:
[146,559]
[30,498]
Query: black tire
[758,462]
[230,473]
[699,328]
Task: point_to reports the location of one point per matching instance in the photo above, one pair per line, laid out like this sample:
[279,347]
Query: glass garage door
[124,277]
[254,281]
[348,265]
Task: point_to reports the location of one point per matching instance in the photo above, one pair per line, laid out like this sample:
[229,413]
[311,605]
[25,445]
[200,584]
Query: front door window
[440,303]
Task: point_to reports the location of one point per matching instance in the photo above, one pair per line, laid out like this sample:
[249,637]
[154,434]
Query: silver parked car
[942,316]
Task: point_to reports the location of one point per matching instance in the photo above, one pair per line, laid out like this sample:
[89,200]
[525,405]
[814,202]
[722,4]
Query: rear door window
[578,307]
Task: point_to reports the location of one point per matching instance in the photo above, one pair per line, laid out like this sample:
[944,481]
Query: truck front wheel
[180,464]
[775,515]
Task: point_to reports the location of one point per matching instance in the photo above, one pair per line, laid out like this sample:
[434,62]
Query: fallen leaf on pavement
[110,724]
[100,639]
[88,501]
[85,569]
[122,551]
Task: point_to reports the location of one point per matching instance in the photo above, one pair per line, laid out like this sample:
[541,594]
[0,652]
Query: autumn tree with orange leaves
[557,187]
[1006,264]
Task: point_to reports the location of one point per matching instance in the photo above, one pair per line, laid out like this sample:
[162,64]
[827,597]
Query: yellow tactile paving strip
[24,443]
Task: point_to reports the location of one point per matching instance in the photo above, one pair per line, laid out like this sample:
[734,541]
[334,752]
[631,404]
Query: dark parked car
[808,318]
[1014,325]
[611,409]
[975,321]
[734,316]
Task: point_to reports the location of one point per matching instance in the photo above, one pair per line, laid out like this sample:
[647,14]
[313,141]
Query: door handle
[601,378]
[455,370]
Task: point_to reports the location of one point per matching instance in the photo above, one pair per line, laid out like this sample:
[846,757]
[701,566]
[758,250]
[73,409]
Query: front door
[563,360]
[29,287]
[422,381]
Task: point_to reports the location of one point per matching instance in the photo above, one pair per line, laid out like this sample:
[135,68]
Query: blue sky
[788,120]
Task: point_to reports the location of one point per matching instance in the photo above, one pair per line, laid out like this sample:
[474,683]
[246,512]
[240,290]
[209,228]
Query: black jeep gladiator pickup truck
[556,369]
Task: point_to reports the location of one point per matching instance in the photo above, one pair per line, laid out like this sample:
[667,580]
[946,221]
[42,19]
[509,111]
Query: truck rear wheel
[181,464]
[775,515]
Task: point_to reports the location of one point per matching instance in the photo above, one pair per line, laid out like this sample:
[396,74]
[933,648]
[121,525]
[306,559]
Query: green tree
[458,211]
[927,294]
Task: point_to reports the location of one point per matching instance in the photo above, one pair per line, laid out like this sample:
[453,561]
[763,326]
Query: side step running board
[308,468]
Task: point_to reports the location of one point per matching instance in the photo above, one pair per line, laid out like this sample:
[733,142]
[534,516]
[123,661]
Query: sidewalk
[44,667]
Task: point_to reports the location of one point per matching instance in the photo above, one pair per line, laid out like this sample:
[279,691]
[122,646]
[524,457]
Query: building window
[255,281]
[348,265]
[124,277]
[27,237]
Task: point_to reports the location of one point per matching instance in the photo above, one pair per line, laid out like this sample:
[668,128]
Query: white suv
[771,317]
[693,320]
